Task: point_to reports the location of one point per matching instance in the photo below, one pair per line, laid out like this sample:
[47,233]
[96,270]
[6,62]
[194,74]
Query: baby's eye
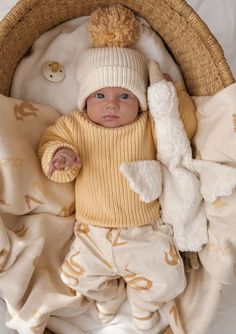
[99,95]
[124,96]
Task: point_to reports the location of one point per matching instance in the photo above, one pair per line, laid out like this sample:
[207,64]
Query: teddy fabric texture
[181,199]
[145,257]
[187,181]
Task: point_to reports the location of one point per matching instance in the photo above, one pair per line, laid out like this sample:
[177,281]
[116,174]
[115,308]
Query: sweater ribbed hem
[121,224]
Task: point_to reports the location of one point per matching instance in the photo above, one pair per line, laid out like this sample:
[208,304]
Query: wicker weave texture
[189,40]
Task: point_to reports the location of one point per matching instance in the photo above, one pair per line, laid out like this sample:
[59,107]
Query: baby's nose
[112,103]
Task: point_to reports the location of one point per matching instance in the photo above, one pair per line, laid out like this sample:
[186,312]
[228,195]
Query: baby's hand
[64,158]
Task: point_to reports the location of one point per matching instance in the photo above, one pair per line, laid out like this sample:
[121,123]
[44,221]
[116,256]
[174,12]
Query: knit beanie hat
[111,62]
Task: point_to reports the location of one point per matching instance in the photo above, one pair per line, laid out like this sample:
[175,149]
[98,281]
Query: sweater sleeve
[54,138]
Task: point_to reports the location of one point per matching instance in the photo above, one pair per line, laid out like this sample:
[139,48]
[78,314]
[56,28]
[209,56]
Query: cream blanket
[36,223]
[34,238]
[215,140]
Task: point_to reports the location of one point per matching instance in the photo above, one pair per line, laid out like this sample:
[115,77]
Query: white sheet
[221,19]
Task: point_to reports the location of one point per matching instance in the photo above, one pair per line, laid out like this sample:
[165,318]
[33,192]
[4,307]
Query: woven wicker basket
[190,42]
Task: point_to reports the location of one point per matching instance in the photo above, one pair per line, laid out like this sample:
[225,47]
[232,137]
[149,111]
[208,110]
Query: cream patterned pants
[101,260]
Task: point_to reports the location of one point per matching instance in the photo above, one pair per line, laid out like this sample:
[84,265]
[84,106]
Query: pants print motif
[101,260]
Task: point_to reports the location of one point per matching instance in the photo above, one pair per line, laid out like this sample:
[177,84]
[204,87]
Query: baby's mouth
[110,117]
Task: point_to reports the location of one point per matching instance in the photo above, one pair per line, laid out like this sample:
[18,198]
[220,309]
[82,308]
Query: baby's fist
[63,159]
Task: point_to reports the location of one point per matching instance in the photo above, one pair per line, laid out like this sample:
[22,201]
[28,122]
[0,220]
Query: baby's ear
[155,74]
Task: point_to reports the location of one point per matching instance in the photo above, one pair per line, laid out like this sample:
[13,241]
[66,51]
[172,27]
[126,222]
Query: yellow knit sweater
[103,196]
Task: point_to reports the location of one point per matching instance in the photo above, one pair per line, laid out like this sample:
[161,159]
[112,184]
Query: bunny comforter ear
[155,74]
[162,95]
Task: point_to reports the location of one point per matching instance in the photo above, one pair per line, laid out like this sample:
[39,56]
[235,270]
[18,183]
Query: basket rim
[207,37]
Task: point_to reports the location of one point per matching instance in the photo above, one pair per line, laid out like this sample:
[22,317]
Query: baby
[118,238]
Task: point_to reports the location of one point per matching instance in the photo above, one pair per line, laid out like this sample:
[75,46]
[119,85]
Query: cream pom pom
[113,25]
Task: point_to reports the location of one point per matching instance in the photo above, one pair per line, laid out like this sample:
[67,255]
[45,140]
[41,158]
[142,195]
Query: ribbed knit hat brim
[112,67]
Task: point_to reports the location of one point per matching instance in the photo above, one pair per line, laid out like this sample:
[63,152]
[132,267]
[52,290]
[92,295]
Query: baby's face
[112,107]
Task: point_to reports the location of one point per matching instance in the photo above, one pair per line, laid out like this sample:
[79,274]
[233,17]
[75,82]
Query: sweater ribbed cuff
[61,176]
